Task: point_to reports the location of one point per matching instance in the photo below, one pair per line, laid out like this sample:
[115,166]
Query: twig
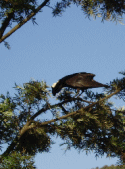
[83,109]
[28,126]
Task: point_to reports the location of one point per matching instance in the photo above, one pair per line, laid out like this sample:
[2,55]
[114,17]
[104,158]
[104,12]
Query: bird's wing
[80,80]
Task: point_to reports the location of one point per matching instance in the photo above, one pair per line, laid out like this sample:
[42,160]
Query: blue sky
[57,47]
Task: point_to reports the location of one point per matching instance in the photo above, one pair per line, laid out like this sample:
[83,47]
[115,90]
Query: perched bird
[79,81]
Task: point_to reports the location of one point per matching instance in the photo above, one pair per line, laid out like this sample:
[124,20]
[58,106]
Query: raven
[79,81]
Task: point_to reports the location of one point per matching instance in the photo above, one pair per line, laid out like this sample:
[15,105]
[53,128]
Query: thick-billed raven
[79,81]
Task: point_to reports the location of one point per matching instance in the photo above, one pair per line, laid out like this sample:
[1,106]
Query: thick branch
[28,126]
[14,142]
[11,147]
[6,23]
[24,21]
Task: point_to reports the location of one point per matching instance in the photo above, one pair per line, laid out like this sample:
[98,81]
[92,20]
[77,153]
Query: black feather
[80,81]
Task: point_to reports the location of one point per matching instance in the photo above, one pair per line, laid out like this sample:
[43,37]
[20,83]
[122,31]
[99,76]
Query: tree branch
[14,142]
[56,105]
[6,23]
[69,100]
[24,21]
[28,126]
[10,148]
[77,112]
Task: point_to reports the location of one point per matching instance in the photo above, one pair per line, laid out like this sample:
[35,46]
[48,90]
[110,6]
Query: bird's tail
[97,84]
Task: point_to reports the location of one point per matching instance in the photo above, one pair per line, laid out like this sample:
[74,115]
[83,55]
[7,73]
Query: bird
[80,81]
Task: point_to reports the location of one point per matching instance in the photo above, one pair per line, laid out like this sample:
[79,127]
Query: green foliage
[20,11]
[21,8]
[86,122]
[32,93]
[112,167]
[97,129]
[17,161]
[7,120]
[108,10]
[33,141]
[17,111]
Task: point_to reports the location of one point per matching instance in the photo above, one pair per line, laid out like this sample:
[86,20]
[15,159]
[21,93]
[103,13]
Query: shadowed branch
[24,21]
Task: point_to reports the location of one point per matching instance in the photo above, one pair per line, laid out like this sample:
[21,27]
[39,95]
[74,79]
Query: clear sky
[57,47]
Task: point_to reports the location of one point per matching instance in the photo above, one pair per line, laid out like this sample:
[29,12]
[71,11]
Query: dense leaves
[21,8]
[20,11]
[86,122]
[33,141]
[17,160]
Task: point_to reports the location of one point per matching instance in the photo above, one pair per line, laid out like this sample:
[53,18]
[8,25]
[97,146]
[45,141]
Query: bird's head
[54,88]
[54,84]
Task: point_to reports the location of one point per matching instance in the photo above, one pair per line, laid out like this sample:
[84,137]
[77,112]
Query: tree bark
[5,23]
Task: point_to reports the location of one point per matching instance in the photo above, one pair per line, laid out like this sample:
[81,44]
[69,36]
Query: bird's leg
[81,93]
[78,90]
[78,93]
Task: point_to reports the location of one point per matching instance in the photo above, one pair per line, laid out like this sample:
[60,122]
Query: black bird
[79,81]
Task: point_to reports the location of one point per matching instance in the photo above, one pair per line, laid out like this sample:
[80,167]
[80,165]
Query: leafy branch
[30,124]
[7,20]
